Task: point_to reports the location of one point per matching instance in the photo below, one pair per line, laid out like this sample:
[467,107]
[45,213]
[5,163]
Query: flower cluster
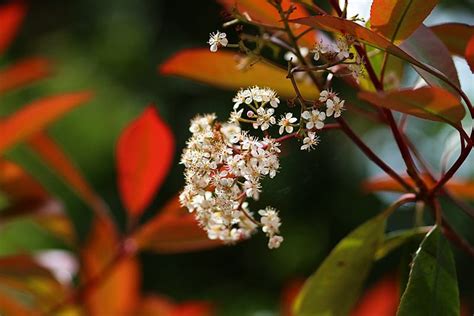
[224,165]
[339,51]
[332,51]
[223,168]
[315,117]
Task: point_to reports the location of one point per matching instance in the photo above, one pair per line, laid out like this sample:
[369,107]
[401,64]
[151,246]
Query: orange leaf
[154,305]
[380,300]
[173,230]
[193,309]
[9,306]
[11,16]
[117,293]
[396,20]
[23,73]
[220,70]
[454,35]
[37,116]
[18,185]
[23,274]
[459,188]
[263,12]
[335,24]
[52,155]
[144,155]
[429,103]
[470,53]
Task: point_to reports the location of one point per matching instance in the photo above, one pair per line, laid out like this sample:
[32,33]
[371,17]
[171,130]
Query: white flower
[272,97]
[252,189]
[325,95]
[217,40]
[264,119]
[270,220]
[286,123]
[315,119]
[275,242]
[230,130]
[256,94]
[235,116]
[319,49]
[240,98]
[342,49]
[310,141]
[334,106]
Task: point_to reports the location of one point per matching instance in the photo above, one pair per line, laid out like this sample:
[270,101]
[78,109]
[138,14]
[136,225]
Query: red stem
[371,155]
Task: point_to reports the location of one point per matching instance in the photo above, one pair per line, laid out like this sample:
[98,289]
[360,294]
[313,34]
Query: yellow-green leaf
[336,285]
[395,239]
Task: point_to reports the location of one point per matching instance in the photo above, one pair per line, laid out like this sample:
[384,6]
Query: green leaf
[21,235]
[337,283]
[429,103]
[432,286]
[396,20]
[395,239]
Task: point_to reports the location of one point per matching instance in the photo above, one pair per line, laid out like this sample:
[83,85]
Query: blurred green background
[113,47]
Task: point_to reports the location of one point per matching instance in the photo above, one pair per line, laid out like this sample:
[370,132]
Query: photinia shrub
[274,51]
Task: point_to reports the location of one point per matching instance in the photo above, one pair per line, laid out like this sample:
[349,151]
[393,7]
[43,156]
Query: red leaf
[23,73]
[220,70]
[289,295]
[11,16]
[173,230]
[454,35]
[144,155]
[118,291]
[53,156]
[37,116]
[263,12]
[430,103]
[154,305]
[17,185]
[470,53]
[396,20]
[335,24]
[380,300]
[426,47]
[193,309]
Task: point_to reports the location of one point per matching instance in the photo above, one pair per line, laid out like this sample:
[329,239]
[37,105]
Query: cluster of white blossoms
[217,40]
[332,51]
[339,51]
[224,167]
